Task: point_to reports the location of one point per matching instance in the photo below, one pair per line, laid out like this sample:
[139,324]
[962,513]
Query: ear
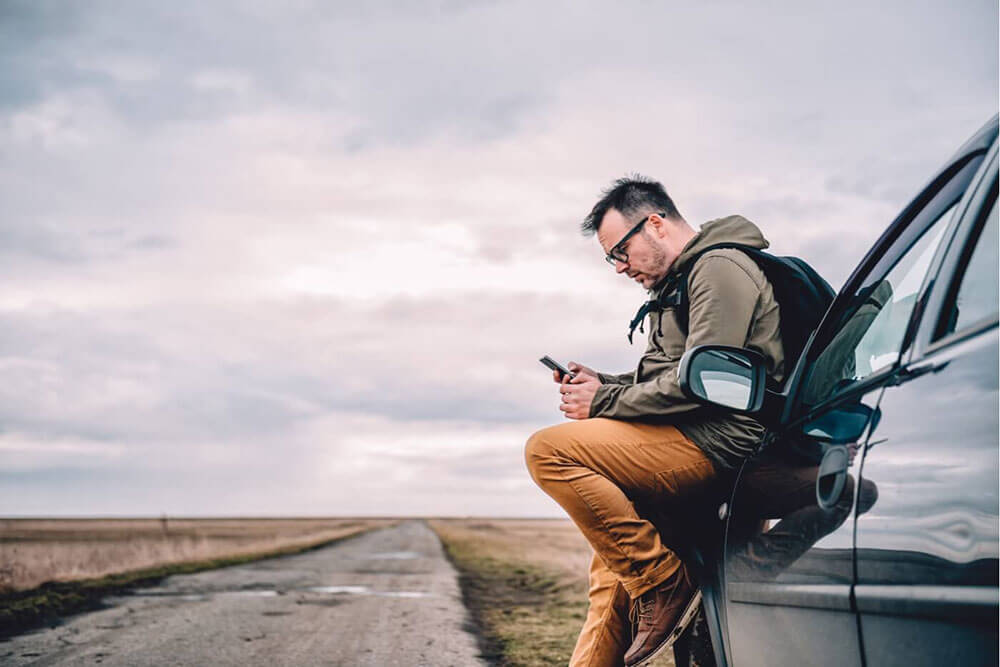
[658,225]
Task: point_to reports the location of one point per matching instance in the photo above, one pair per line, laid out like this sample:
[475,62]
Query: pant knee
[538,450]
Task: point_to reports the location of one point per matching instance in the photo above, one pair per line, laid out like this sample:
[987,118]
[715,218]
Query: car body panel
[927,557]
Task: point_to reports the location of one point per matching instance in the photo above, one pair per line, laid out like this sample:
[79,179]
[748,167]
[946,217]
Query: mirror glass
[722,377]
[841,426]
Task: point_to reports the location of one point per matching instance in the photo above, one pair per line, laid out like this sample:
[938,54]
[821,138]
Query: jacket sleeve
[722,297]
[616,378]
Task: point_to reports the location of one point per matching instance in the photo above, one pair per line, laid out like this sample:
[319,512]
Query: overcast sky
[301,258]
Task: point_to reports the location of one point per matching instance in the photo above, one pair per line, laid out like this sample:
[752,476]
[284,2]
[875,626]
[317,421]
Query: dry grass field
[525,582]
[34,551]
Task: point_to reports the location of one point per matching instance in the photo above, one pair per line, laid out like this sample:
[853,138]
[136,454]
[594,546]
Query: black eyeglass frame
[617,253]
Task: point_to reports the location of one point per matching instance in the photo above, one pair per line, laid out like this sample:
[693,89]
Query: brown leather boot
[659,617]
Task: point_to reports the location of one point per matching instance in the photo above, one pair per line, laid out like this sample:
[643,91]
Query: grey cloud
[866,186]
[150,376]
[505,242]
[26,30]
[34,240]
[405,77]
[153,242]
[162,173]
[477,70]
[289,57]
[834,254]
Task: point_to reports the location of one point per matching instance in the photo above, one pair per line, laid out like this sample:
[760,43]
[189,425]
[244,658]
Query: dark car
[865,529]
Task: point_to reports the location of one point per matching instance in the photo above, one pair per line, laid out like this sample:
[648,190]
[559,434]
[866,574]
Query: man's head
[639,227]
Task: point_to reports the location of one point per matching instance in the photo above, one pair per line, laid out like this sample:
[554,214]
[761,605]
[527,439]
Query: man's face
[647,257]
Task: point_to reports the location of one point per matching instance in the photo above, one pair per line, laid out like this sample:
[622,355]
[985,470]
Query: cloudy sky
[301,258]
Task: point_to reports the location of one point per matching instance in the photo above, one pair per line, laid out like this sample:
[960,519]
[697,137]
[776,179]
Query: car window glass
[870,339]
[978,292]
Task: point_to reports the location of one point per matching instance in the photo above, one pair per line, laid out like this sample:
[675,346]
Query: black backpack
[802,295]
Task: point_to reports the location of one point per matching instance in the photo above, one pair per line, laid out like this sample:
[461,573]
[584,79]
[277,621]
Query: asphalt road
[384,598]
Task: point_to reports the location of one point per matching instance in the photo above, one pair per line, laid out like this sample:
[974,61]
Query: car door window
[976,296]
[871,337]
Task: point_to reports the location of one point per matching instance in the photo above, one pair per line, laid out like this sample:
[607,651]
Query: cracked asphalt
[384,598]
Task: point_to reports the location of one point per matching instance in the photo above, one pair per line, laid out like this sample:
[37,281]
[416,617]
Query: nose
[620,266]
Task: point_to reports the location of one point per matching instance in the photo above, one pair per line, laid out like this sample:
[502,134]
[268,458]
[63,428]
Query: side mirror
[725,376]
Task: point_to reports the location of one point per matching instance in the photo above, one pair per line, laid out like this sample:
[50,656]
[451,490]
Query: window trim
[959,268]
[953,262]
[971,331]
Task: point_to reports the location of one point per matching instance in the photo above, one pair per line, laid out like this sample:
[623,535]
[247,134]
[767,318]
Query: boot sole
[689,613]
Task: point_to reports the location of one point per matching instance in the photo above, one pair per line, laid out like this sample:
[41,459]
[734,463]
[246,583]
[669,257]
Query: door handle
[832,476]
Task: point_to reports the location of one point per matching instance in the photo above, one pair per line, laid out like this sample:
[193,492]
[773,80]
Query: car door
[789,565]
[927,551]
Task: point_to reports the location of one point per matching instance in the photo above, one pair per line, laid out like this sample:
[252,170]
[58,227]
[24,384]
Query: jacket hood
[731,229]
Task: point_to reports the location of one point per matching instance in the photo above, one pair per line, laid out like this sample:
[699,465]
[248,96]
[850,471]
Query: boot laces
[641,611]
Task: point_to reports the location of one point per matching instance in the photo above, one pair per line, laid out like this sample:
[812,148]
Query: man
[637,448]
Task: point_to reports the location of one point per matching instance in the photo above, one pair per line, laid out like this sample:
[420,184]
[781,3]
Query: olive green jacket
[730,303]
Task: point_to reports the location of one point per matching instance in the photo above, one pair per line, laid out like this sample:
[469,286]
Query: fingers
[570,402]
[557,377]
[571,411]
[567,396]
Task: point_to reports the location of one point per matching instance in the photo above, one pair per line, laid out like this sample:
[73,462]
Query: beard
[658,257]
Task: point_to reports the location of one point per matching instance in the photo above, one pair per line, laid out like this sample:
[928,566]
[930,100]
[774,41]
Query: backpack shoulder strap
[681,311]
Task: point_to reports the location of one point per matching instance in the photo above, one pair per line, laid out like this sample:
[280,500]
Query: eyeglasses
[617,252]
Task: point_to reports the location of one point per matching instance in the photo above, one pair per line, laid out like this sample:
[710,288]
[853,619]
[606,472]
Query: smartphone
[556,366]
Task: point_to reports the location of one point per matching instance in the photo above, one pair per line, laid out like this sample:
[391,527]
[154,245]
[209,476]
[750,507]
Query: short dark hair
[630,195]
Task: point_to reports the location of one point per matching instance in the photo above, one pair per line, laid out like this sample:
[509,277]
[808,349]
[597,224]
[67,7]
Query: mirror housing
[729,377]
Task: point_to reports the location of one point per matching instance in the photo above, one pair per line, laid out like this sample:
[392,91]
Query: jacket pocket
[686,479]
[668,336]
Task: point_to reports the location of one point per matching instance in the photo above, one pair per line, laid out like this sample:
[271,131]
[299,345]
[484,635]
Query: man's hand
[576,368]
[578,393]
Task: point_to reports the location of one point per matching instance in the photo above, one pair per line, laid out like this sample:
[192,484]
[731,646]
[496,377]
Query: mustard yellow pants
[599,471]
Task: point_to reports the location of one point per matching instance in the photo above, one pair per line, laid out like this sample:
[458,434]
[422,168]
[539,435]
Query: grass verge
[527,615]
[24,610]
